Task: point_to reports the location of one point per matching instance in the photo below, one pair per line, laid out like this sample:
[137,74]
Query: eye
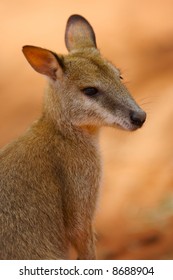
[121,77]
[90,91]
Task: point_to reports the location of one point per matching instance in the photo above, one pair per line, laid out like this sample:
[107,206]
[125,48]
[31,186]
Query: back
[30,199]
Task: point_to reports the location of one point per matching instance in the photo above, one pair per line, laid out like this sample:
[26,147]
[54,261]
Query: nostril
[137,118]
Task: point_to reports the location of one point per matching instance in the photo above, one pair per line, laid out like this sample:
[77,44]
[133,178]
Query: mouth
[136,120]
[124,125]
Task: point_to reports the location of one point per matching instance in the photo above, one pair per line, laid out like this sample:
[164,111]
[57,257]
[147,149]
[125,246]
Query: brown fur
[50,176]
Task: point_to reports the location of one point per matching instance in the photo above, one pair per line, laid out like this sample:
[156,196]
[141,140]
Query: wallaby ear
[79,33]
[43,61]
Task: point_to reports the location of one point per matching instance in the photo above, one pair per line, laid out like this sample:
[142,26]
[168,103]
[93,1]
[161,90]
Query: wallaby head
[84,88]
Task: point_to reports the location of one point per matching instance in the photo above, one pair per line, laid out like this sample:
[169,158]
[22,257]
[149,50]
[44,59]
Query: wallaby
[50,176]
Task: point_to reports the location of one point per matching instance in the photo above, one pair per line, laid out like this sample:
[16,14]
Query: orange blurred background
[135,212]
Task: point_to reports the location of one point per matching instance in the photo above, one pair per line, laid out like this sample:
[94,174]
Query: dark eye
[121,77]
[90,91]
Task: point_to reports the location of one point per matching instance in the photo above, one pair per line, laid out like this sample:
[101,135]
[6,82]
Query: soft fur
[50,176]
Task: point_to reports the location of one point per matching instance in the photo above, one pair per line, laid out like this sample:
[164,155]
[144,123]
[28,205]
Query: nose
[137,117]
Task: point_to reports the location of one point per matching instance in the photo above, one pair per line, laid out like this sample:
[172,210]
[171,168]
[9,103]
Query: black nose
[137,117]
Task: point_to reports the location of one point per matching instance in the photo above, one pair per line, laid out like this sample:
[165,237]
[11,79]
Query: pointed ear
[43,61]
[79,33]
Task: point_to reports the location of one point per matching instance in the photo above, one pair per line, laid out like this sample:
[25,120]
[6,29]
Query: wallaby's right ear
[43,61]
[79,33]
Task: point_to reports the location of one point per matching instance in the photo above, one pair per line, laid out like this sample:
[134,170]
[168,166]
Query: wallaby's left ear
[43,61]
[79,33]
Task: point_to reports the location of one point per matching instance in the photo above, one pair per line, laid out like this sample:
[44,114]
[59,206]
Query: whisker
[126,82]
[145,98]
[146,103]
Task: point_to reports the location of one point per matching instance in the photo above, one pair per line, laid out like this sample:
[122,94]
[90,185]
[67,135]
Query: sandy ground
[135,213]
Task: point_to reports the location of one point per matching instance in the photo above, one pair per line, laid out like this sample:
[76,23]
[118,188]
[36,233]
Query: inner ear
[43,61]
[79,33]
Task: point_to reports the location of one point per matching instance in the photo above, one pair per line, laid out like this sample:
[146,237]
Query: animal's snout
[137,117]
